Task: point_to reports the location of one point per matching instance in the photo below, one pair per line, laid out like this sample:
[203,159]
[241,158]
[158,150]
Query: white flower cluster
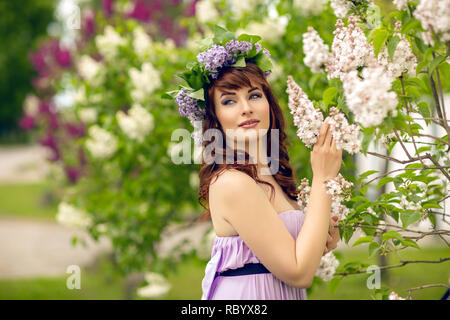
[109,42]
[349,49]
[142,43]
[309,7]
[403,60]
[394,296]
[434,16]
[73,217]
[400,4]
[370,98]
[341,7]
[144,82]
[271,29]
[87,115]
[315,50]
[327,267]
[90,70]
[137,124]
[345,135]
[101,144]
[205,11]
[307,119]
[157,287]
[340,190]
[303,195]
[240,7]
[409,205]
[387,139]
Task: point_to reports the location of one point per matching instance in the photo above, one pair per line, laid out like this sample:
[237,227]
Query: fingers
[329,138]
[322,133]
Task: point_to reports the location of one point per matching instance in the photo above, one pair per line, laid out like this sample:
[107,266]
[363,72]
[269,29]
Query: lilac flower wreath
[221,51]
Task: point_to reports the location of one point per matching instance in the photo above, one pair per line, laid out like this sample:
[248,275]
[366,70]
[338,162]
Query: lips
[250,121]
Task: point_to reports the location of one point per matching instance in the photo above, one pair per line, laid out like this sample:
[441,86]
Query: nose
[246,108]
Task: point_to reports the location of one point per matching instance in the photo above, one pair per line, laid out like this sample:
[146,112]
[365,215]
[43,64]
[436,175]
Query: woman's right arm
[294,261]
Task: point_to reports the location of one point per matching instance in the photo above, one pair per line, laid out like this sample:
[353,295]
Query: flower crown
[221,51]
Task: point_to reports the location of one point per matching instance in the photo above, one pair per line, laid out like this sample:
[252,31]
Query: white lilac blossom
[303,195]
[340,190]
[271,29]
[307,119]
[70,216]
[31,105]
[309,7]
[90,70]
[142,43]
[403,59]
[434,16]
[144,82]
[327,267]
[137,124]
[370,98]
[345,135]
[400,4]
[239,7]
[349,49]
[316,51]
[394,296]
[386,139]
[87,115]
[101,144]
[109,42]
[156,288]
[205,11]
[341,7]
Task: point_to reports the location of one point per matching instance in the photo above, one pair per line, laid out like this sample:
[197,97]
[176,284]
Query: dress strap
[249,268]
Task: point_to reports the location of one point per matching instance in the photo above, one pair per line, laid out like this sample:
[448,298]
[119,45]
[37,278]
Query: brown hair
[234,78]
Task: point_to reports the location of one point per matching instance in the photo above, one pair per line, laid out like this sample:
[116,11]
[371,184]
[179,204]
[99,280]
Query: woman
[266,247]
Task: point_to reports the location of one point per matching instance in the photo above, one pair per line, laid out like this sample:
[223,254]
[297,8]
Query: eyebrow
[231,93]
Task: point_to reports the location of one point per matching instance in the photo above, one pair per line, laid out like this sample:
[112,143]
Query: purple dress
[232,253]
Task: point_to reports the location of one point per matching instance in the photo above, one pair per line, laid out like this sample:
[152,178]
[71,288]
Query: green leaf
[412,23]
[424,109]
[170,94]
[249,38]
[199,94]
[392,235]
[373,247]
[414,165]
[434,64]
[429,205]
[383,181]
[334,283]
[363,240]
[408,217]
[240,62]
[392,45]
[329,94]
[367,173]
[380,36]
[263,62]
[222,35]
[418,82]
[420,66]
[409,243]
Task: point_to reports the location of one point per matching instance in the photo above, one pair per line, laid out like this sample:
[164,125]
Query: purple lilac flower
[188,106]
[214,58]
[234,47]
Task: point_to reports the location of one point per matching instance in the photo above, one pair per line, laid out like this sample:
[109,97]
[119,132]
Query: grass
[27,201]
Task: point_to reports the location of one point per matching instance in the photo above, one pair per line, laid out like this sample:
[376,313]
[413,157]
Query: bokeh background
[60,72]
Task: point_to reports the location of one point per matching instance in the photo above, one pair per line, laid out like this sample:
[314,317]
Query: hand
[333,236]
[326,159]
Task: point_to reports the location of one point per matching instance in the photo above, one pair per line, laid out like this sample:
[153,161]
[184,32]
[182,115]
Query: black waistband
[250,268]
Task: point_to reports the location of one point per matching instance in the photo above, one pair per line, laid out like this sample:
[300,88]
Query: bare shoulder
[230,180]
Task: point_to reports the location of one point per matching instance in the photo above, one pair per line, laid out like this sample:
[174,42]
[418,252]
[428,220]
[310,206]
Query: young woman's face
[233,107]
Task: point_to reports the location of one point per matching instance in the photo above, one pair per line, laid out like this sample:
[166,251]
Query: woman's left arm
[333,236]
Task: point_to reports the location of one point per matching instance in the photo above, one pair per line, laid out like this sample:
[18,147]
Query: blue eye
[258,95]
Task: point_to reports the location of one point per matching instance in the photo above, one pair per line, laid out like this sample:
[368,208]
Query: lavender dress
[232,253]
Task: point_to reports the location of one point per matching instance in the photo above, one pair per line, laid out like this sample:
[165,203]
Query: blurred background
[118,208]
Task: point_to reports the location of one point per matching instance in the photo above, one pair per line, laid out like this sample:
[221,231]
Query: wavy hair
[234,78]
